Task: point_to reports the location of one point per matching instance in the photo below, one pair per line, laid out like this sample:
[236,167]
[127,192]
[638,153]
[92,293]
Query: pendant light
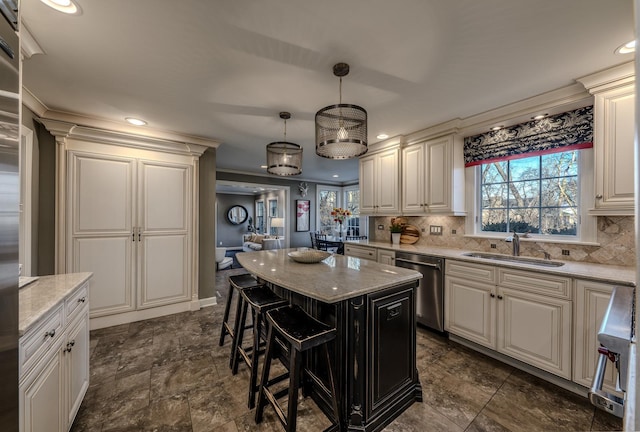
[284,158]
[341,130]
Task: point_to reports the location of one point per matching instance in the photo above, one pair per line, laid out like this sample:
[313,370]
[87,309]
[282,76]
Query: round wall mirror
[237,215]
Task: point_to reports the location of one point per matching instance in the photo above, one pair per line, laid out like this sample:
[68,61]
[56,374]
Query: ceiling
[223,70]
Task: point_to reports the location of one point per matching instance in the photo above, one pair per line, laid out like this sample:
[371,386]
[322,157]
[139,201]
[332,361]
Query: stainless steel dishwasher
[430,293]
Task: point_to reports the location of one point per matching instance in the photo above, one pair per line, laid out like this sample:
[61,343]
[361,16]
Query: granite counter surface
[589,271]
[332,280]
[39,297]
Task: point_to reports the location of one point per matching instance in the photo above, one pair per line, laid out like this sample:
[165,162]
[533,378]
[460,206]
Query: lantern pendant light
[341,130]
[284,158]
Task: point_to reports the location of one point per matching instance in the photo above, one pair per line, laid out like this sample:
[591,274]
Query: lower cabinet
[518,313]
[591,301]
[54,364]
[358,251]
[386,257]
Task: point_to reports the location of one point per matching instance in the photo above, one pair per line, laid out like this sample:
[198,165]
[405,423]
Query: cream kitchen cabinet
[130,224]
[433,177]
[591,301]
[521,314]
[359,251]
[379,183]
[54,365]
[386,257]
[614,129]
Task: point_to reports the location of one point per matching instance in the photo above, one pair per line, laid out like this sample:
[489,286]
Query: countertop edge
[56,298]
[580,270]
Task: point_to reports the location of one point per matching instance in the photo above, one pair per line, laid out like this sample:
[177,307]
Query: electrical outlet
[494,246]
[565,252]
[380,227]
[435,229]
[453,231]
[422,229]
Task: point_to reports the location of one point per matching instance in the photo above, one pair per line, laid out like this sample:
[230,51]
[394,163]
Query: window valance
[570,130]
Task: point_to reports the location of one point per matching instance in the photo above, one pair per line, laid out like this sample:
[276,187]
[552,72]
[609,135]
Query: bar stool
[302,332]
[261,299]
[236,283]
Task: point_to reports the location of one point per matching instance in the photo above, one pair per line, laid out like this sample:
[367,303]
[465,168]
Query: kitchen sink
[515,259]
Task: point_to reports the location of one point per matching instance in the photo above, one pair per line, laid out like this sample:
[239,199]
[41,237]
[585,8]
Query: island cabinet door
[392,340]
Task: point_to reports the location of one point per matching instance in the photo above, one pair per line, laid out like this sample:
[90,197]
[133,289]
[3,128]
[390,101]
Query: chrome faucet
[515,239]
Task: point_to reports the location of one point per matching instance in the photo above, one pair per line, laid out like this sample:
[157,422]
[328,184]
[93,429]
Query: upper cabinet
[614,114]
[433,177]
[379,181]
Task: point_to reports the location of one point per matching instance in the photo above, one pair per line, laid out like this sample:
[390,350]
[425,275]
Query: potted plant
[396,231]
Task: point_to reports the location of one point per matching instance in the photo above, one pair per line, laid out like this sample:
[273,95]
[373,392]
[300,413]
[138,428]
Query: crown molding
[29,46]
[617,76]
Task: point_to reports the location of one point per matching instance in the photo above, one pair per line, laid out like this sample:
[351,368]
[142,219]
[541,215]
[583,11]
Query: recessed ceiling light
[495,128]
[539,116]
[64,6]
[335,176]
[628,48]
[135,121]
[382,136]
[263,167]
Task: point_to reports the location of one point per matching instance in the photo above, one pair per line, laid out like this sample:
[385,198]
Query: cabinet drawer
[35,342]
[360,252]
[476,272]
[535,282]
[74,304]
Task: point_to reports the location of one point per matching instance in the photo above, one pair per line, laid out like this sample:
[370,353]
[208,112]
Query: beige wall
[616,238]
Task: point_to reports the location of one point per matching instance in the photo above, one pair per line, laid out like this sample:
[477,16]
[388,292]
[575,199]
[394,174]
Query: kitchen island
[373,308]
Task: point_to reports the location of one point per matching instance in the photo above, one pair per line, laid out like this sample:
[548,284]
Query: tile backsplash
[616,236]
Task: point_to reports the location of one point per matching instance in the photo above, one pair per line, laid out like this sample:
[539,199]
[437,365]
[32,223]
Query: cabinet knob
[82,300]
[492,295]
[599,196]
[51,333]
[499,297]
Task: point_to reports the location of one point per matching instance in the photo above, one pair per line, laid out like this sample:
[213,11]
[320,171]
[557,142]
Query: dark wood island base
[374,353]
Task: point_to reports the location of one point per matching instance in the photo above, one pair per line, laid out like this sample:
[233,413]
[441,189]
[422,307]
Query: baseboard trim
[139,315]
[205,302]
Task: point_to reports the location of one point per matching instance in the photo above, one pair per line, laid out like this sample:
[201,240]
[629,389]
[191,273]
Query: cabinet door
[614,148]
[387,199]
[386,257]
[413,160]
[42,395]
[76,357]
[367,184]
[470,310]
[164,246]
[592,300]
[437,177]
[535,329]
[101,228]
[392,330]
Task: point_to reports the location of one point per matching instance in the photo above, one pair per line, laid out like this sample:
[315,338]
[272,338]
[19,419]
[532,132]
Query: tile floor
[168,374]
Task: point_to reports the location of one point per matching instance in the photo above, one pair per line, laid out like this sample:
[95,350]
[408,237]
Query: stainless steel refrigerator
[9,213]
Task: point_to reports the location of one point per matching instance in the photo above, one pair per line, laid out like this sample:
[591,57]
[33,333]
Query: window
[537,195]
[329,197]
[540,195]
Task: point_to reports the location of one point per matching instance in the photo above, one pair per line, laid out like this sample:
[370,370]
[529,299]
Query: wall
[616,236]
[229,235]
[43,193]
[206,229]
[297,239]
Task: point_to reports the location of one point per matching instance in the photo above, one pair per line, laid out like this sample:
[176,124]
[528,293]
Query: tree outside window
[538,195]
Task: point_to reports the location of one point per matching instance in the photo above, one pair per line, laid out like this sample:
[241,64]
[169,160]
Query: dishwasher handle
[435,266]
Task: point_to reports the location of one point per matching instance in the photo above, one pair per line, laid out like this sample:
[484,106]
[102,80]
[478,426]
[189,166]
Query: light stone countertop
[332,280]
[580,270]
[41,296]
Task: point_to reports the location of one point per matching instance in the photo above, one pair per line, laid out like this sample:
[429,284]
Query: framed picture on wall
[302,215]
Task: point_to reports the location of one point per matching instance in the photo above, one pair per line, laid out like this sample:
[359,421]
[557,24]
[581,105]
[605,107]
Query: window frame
[586,232]
[341,199]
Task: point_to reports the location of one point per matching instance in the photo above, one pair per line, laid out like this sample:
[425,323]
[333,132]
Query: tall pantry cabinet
[127,211]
